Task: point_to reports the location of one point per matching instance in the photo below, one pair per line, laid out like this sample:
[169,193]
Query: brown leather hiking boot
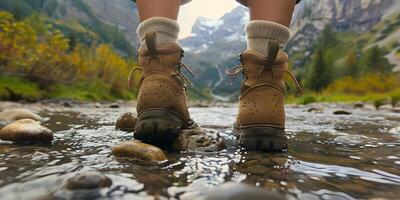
[260,123]
[161,104]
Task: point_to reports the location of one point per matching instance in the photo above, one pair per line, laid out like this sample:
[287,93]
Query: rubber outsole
[268,139]
[158,127]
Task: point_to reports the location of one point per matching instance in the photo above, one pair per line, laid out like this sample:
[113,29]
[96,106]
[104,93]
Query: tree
[351,65]
[374,61]
[318,76]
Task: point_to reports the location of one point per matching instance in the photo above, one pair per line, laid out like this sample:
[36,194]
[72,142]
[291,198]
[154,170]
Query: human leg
[161,103]
[261,117]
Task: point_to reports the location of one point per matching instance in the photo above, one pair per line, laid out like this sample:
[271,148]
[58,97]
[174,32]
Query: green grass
[15,88]
[330,98]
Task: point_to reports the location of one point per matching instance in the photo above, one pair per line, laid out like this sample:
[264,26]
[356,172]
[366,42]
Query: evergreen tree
[374,61]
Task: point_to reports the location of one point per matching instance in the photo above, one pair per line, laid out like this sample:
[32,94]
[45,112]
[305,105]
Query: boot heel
[268,139]
[158,127]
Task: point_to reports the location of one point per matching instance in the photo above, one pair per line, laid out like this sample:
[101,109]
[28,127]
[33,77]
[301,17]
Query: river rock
[126,122]
[88,181]
[240,191]
[198,139]
[26,130]
[11,115]
[316,110]
[358,105]
[139,150]
[114,105]
[395,130]
[341,112]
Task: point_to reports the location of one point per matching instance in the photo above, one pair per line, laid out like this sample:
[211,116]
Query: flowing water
[329,157]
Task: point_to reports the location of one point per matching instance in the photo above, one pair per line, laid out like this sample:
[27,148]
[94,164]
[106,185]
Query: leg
[161,102]
[158,8]
[261,118]
[272,10]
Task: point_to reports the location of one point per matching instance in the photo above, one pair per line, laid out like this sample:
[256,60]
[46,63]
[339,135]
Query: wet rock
[68,104]
[88,181]
[114,105]
[139,150]
[341,112]
[198,139]
[395,130]
[97,105]
[126,122]
[26,130]
[358,105]
[316,110]
[11,115]
[240,191]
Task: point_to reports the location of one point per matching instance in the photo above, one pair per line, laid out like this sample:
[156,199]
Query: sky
[213,9]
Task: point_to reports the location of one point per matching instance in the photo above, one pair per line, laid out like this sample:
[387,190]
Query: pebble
[11,115]
[126,122]
[139,150]
[341,112]
[315,110]
[88,181]
[26,130]
[240,191]
[358,105]
[115,105]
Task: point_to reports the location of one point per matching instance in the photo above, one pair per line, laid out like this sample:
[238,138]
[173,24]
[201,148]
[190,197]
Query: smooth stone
[11,115]
[198,139]
[126,122]
[97,105]
[341,112]
[240,191]
[139,150]
[315,110]
[26,130]
[115,105]
[395,130]
[88,181]
[68,104]
[358,105]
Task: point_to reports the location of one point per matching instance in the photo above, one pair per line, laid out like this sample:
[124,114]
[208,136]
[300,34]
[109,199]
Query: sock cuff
[268,30]
[158,25]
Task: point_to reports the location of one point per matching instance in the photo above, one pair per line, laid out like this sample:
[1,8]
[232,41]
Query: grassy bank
[16,88]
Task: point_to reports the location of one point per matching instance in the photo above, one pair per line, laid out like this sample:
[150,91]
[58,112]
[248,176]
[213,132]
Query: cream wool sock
[166,30]
[259,33]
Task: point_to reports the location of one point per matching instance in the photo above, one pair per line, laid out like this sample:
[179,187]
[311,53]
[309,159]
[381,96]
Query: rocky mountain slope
[214,44]
[111,21]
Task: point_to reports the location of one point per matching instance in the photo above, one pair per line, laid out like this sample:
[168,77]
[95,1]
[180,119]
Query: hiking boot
[260,123]
[161,104]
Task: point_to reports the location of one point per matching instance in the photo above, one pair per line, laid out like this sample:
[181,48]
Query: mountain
[112,21]
[214,44]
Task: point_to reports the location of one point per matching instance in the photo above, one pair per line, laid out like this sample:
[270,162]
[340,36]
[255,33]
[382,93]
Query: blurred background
[342,50]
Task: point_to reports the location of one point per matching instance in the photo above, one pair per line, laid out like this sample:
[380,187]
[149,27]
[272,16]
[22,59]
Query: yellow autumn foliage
[369,83]
[48,59]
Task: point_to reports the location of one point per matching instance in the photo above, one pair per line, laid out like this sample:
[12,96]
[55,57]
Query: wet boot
[260,123]
[161,104]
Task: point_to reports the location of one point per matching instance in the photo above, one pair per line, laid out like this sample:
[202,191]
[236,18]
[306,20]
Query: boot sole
[269,139]
[158,127]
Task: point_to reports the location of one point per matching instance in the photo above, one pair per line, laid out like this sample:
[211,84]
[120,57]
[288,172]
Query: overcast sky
[213,9]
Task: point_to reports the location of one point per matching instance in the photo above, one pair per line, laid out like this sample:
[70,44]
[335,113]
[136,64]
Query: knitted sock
[259,33]
[166,30]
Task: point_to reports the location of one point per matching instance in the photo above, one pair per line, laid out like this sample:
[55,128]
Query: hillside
[214,44]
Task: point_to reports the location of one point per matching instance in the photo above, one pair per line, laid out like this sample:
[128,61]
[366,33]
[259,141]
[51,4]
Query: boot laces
[179,72]
[233,72]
